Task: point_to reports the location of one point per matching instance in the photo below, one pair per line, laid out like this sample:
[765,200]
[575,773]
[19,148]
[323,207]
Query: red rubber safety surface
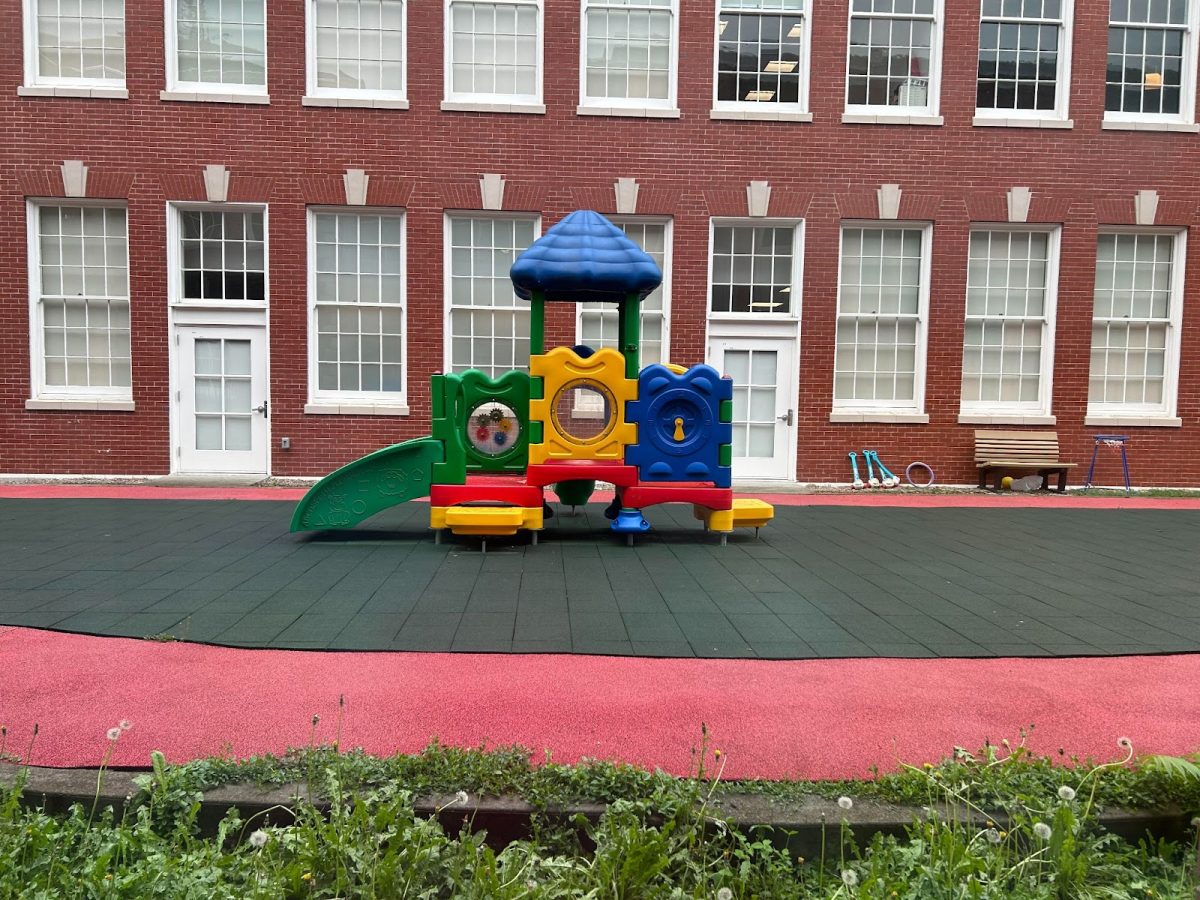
[807,718]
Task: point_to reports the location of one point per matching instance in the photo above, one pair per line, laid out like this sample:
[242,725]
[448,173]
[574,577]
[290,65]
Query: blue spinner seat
[680,432]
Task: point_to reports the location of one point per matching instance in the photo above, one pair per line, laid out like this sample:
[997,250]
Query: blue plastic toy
[680,431]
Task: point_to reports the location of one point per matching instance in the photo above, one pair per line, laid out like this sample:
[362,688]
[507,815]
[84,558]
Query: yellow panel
[485,520]
[561,371]
[747,512]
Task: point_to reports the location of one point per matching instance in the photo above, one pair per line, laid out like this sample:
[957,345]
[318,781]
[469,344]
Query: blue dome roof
[585,257]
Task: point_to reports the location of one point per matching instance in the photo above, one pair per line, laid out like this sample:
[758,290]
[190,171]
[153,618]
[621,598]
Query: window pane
[359,44]
[759,57]
[221,42]
[598,321]
[80,41]
[489,326]
[752,269]
[628,50]
[493,49]
[891,46]
[227,261]
[359,319]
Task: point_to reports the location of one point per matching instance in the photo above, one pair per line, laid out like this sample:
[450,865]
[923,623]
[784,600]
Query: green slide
[360,489]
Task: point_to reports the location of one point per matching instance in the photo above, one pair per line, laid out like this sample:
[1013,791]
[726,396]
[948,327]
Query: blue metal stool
[1110,440]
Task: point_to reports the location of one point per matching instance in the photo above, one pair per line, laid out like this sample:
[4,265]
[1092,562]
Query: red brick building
[241,235]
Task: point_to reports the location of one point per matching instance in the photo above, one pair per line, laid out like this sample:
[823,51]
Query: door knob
[786,417]
[262,409]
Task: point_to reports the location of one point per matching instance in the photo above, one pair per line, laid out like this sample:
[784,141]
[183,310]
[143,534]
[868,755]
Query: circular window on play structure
[583,411]
[493,428]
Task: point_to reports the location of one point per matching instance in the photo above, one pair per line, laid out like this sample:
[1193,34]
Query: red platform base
[700,494]
[619,474]
[507,489]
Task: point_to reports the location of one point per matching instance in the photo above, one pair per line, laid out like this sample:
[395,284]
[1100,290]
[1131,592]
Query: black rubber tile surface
[820,582]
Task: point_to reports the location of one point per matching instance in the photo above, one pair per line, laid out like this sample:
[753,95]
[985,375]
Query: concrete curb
[798,825]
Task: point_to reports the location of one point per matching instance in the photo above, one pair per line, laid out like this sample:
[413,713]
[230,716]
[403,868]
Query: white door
[764,415]
[221,401]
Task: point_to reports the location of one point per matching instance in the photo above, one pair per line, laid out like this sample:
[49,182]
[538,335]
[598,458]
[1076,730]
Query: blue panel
[585,257]
[679,427]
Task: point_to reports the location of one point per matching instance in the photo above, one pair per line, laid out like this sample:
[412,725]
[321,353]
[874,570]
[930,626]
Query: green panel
[362,488]
[725,414]
[725,455]
[537,387]
[461,394]
[536,435]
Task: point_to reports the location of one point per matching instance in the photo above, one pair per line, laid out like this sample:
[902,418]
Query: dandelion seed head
[258,839]
[849,878]
[1042,830]
[1124,743]
[114,733]
[845,803]
[993,836]
[124,724]
[724,894]
[1066,792]
[462,797]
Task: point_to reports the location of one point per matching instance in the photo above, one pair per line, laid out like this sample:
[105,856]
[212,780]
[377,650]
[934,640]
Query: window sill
[96,93]
[638,113]
[1005,419]
[355,409]
[763,115]
[883,418]
[204,97]
[536,109]
[1135,421]
[82,405]
[1184,127]
[990,122]
[355,102]
[890,119]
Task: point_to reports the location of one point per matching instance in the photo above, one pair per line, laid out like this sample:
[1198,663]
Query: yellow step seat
[747,512]
[485,520]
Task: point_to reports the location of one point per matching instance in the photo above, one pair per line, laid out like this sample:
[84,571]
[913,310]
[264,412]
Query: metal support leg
[483,547]
[629,540]
[724,538]
[1125,466]
[535,536]
[437,535]
[1092,466]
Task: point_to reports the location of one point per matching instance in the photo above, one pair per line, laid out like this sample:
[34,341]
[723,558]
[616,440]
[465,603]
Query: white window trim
[629,106]
[447,262]
[911,115]
[871,410]
[668,224]
[355,402]
[1040,408]
[80,398]
[323,96]
[1060,115]
[175,298]
[1187,89]
[41,85]
[463,101]
[797,269]
[797,111]
[203,90]
[1164,413]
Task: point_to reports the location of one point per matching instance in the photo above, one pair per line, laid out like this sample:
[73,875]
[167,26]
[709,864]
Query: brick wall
[285,155]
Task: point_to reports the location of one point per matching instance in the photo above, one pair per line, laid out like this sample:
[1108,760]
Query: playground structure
[661,434]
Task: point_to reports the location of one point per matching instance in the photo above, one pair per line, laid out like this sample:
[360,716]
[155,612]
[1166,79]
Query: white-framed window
[883,302]
[75,43]
[895,57]
[1151,61]
[494,52]
[630,54]
[597,324]
[1136,313]
[762,55]
[754,268]
[1024,59]
[79,302]
[218,257]
[356,290]
[217,47]
[356,48]
[487,325]
[1008,341]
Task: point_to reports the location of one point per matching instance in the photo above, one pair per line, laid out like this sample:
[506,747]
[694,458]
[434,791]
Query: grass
[660,836]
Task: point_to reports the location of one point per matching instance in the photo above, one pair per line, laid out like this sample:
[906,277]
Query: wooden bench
[1002,452]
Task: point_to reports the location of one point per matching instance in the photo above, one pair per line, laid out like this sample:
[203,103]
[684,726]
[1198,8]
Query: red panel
[497,488]
[642,495]
[582,470]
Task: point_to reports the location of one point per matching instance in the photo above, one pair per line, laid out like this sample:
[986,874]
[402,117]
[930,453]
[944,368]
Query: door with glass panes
[222,411]
[764,418]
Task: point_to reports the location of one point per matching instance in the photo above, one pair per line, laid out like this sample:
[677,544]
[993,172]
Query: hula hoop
[919,465]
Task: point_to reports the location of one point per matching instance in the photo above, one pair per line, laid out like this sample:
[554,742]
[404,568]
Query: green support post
[629,321]
[537,324]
